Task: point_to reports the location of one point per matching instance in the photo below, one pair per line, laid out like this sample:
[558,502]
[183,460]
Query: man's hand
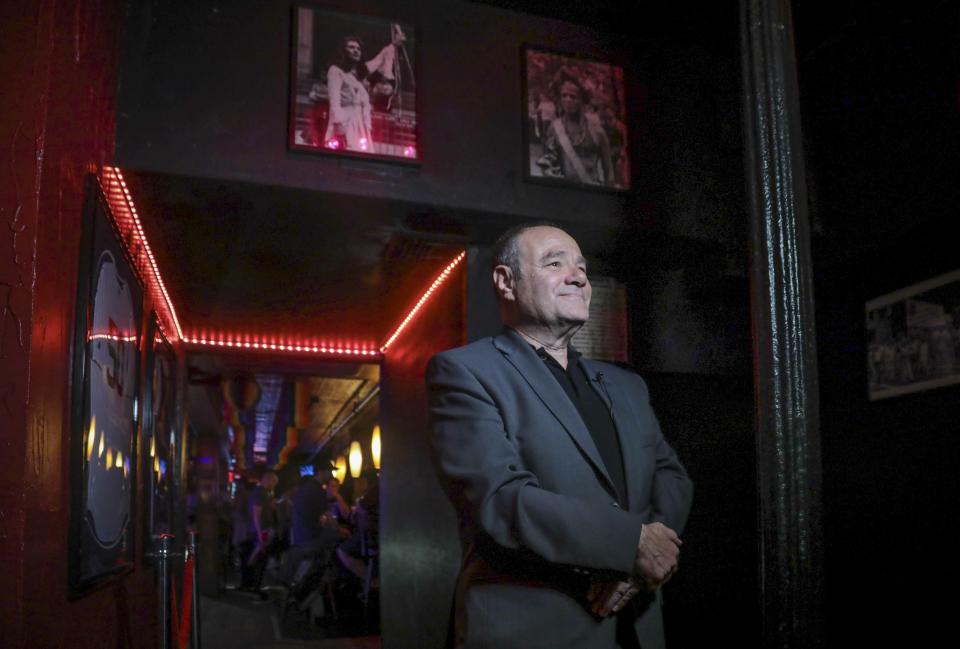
[610,597]
[658,553]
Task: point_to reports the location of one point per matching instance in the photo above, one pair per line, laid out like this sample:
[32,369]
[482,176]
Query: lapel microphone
[603,386]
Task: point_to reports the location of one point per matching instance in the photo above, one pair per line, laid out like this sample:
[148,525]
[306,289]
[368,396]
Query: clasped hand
[658,554]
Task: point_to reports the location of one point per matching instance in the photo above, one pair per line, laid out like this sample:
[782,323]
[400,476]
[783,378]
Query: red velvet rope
[182,634]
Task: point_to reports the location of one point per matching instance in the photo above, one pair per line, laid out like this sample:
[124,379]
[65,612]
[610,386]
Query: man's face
[553,289]
[570,98]
[352,49]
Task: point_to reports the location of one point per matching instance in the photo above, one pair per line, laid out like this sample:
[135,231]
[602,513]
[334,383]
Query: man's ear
[503,282]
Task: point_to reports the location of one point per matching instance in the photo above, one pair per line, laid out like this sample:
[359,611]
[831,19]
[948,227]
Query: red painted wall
[58,62]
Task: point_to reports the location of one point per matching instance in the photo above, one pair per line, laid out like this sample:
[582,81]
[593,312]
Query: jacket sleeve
[483,469]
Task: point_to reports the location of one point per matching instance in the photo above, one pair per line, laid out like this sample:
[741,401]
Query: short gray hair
[506,251]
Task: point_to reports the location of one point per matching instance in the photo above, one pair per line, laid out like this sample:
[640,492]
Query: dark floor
[235,619]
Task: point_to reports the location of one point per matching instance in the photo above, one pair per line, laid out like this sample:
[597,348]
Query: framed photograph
[913,338]
[158,434]
[104,403]
[575,126]
[353,85]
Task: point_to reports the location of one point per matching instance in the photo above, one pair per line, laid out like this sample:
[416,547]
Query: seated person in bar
[314,532]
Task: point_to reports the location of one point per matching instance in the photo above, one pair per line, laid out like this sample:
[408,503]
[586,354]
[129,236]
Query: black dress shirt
[593,411]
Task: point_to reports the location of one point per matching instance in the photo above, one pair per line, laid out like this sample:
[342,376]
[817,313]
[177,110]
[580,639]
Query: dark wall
[882,123]
[59,63]
[419,548]
[204,92]
[708,420]
[889,466]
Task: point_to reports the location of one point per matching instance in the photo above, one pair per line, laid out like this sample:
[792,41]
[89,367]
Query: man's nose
[577,276]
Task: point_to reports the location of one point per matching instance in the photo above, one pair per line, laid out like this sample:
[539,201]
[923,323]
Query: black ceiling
[251,259]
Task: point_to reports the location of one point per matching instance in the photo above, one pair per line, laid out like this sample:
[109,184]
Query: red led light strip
[125,217]
[258,344]
[423,299]
[114,337]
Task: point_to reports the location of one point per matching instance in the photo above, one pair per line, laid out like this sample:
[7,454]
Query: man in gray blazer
[570,500]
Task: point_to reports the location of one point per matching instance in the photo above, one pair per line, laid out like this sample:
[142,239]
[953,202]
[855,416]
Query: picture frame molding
[345,155]
[627,120]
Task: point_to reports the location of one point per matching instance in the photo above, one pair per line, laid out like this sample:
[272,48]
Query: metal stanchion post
[195,606]
[164,555]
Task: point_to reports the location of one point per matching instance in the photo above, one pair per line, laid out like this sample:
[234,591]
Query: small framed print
[353,89]
[575,126]
[913,338]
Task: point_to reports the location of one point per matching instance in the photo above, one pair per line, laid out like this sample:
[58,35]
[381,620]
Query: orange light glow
[423,299]
[91,436]
[340,470]
[375,447]
[356,460]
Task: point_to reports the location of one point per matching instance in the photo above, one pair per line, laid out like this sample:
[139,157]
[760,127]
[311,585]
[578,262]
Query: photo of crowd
[354,88]
[576,121]
[914,338]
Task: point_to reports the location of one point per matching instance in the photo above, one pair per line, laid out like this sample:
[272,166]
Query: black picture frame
[158,440]
[578,158]
[913,338]
[104,403]
[376,117]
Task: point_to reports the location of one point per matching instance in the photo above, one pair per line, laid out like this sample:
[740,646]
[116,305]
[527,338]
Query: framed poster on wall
[104,403]
[575,121]
[353,85]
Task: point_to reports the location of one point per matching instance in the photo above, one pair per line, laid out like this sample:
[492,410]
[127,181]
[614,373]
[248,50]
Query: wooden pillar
[784,341]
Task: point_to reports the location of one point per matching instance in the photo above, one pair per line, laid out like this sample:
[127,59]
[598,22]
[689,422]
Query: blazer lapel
[519,354]
[609,391]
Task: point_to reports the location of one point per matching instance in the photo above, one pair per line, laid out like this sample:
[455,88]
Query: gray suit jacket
[538,513]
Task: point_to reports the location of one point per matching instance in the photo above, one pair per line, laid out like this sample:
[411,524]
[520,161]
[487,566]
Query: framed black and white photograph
[159,435]
[913,338]
[353,85]
[104,404]
[575,126]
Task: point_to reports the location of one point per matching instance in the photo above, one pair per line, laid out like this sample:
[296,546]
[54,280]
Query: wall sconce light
[340,470]
[375,447]
[356,459]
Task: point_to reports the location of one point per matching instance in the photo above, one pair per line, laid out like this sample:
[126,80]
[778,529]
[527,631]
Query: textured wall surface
[59,65]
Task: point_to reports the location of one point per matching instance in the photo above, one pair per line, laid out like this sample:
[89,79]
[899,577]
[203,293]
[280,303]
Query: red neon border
[444,274]
[125,216]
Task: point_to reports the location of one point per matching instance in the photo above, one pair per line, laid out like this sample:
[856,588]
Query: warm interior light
[119,463]
[356,459]
[153,446]
[340,472]
[109,462]
[91,436]
[375,447]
